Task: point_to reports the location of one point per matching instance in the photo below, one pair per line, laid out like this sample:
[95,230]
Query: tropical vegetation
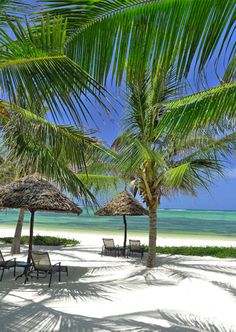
[220,252]
[43,240]
[58,60]
[157,165]
[33,142]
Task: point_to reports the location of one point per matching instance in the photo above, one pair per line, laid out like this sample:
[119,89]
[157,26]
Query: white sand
[119,294]
[95,239]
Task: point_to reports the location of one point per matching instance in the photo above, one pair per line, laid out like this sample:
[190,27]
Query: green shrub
[43,240]
[221,252]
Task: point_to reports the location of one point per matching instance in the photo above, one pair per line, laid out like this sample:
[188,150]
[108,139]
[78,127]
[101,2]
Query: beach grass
[202,251]
[213,251]
[43,240]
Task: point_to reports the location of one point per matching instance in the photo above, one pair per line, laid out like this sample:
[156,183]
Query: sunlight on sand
[105,293]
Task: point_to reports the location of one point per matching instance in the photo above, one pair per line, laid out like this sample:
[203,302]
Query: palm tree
[35,145]
[160,165]
[76,47]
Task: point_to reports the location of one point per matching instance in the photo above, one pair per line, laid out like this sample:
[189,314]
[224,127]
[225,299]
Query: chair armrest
[58,263]
[54,265]
[5,263]
[9,260]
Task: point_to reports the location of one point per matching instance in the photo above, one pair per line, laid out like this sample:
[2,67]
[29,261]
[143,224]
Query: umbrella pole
[31,235]
[125,233]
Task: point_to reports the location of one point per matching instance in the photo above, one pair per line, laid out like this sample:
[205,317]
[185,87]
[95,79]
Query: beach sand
[91,238]
[104,293]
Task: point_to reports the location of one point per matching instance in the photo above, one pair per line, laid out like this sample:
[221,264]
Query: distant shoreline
[192,235]
[186,225]
[204,210]
[91,237]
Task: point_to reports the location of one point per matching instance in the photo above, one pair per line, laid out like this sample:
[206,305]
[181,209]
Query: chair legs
[2,275]
[65,269]
[110,252]
[133,252]
[59,273]
[50,280]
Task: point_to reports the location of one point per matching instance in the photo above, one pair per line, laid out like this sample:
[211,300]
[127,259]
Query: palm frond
[7,169]
[135,154]
[189,176]
[99,183]
[146,99]
[198,111]
[75,145]
[212,148]
[129,36]
[10,9]
[121,141]
[137,99]
[230,72]
[34,63]
[30,157]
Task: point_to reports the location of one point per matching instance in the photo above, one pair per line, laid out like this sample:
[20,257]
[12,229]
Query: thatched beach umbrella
[35,194]
[122,205]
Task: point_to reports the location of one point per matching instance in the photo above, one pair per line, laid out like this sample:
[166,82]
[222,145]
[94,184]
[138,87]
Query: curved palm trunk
[15,248]
[151,261]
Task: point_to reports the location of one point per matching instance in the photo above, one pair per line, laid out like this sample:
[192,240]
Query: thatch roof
[122,204]
[35,193]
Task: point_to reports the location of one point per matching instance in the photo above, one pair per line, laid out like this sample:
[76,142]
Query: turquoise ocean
[172,222]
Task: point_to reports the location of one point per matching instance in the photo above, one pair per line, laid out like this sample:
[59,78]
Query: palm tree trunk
[151,260]
[15,248]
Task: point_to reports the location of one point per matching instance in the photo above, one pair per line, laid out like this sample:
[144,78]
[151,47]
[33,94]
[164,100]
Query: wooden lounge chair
[42,267]
[7,264]
[109,248]
[135,248]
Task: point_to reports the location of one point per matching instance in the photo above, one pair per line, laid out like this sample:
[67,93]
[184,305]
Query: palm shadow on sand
[99,278]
